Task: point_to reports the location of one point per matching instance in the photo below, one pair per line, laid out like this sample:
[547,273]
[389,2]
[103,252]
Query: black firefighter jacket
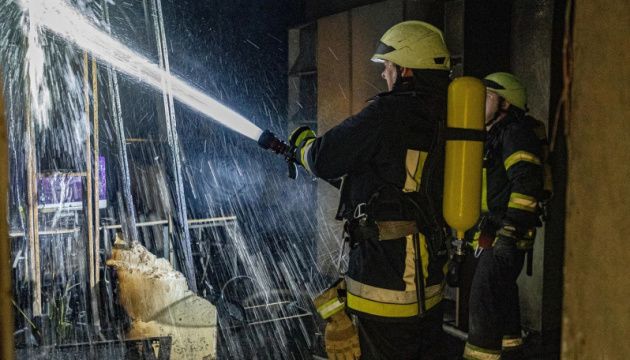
[384,144]
[512,177]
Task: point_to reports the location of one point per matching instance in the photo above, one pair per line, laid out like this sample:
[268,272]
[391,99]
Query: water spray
[61,18]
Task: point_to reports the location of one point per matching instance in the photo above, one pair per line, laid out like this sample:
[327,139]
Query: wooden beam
[210,220]
[91,251]
[6,309]
[33,223]
[97,166]
[60,174]
[48,232]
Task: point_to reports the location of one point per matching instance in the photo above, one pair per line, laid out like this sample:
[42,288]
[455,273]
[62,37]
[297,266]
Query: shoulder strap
[432,187]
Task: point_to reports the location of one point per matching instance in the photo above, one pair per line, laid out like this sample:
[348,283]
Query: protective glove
[342,339]
[297,140]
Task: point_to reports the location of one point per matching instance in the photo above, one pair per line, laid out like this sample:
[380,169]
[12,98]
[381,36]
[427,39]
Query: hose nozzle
[269,141]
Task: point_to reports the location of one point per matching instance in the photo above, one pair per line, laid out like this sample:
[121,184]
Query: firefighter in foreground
[513,186]
[391,162]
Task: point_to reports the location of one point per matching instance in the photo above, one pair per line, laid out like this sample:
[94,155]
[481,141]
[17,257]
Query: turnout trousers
[421,338]
[495,319]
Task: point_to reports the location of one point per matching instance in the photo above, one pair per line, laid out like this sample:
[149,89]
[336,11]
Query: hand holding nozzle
[297,140]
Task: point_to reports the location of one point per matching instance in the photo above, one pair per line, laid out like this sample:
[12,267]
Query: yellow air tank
[464,153]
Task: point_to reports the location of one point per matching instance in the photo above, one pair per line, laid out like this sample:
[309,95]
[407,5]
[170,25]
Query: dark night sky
[234,50]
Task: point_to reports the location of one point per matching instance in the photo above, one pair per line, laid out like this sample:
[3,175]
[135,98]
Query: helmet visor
[492,84]
[382,49]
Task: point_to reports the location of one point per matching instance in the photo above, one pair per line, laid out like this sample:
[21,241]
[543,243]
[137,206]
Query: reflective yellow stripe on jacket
[304,154]
[521,156]
[523,202]
[389,303]
[511,342]
[331,307]
[414,165]
[484,191]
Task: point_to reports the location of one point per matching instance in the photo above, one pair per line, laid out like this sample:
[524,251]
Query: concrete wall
[317,9]
[531,37]
[596,318]
[333,105]
[346,78]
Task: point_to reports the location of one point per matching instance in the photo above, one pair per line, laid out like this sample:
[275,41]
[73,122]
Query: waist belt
[358,231]
[390,230]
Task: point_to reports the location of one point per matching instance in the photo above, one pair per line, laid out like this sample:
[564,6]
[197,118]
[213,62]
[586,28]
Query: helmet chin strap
[399,79]
[496,115]
[494,119]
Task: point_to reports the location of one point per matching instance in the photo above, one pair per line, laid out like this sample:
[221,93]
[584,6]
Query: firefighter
[390,160]
[512,188]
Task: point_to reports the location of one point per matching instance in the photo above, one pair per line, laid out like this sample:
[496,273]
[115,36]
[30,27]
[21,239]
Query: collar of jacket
[425,83]
[501,125]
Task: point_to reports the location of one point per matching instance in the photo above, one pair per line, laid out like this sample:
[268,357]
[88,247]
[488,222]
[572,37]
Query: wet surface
[167,167]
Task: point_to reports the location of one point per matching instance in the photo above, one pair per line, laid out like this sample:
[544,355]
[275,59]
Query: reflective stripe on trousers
[472,352]
[510,343]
